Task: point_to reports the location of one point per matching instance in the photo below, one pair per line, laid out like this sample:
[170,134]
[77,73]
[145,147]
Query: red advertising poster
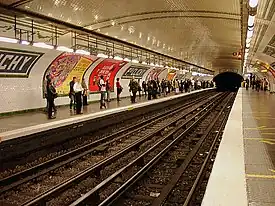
[154,74]
[108,68]
[65,67]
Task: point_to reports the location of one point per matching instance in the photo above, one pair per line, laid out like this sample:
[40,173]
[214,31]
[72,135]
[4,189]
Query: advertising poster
[65,67]
[108,68]
[180,76]
[17,63]
[134,71]
[154,74]
[171,74]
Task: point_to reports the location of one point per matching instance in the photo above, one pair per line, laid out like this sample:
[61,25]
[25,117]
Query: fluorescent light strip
[8,40]
[135,61]
[251,20]
[127,60]
[102,55]
[80,51]
[25,42]
[43,45]
[253,3]
[118,58]
[65,49]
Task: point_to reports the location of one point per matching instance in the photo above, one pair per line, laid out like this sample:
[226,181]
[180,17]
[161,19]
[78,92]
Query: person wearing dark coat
[51,95]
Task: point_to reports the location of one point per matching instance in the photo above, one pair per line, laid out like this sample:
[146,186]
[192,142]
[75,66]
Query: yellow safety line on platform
[130,108]
[261,176]
[268,133]
[264,118]
[256,138]
[254,112]
[259,128]
[272,170]
[263,140]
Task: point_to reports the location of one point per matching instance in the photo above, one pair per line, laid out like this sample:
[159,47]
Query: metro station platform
[32,118]
[20,125]
[244,168]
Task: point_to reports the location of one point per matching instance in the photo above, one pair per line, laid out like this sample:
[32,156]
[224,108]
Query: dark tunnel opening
[228,81]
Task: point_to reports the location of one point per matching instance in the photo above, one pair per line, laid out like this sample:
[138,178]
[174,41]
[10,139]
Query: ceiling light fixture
[126,59]
[135,61]
[253,3]
[248,40]
[102,55]
[9,40]
[80,51]
[43,45]
[118,58]
[249,34]
[65,49]
[251,20]
[25,42]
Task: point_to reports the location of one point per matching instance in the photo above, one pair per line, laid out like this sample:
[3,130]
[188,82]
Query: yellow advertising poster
[65,67]
[78,71]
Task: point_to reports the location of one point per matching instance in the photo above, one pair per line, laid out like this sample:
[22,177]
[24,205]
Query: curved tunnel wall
[228,81]
[23,69]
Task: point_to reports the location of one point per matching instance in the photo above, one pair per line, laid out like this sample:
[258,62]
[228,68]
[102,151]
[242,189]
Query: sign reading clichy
[136,72]
[17,62]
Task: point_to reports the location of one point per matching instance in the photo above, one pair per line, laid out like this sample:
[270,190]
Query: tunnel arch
[228,81]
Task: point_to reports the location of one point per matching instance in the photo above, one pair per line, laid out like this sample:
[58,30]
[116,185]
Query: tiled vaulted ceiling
[204,32]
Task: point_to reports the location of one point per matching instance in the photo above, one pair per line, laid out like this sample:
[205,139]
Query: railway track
[151,178]
[98,159]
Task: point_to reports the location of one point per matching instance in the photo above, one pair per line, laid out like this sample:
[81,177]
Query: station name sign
[17,62]
[136,72]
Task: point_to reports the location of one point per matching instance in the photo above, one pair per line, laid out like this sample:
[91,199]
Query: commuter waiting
[133,88]
[48,78]
[102,89]
[78,93]
[108,91]
[72,94]
[85,92]
[51,95]
[118,89]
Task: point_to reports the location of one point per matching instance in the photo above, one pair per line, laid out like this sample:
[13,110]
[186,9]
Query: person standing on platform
[102,89]
[72,94]
[51,95]
[133,88]
[85,92]
[48,78]
[118,89]
[155,89]
[78,96]
[144,87]
[108,90]
[139,89]
[149,89]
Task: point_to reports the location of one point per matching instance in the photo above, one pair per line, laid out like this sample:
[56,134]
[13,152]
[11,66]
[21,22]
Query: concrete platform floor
[17,121]
[259,146]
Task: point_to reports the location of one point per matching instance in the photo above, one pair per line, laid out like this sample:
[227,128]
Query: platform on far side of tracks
[244,169]
[33,122]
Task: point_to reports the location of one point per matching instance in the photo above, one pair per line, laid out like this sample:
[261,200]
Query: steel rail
[201,173]
[28,174]
[147,166]
[169,187]
[99,166]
